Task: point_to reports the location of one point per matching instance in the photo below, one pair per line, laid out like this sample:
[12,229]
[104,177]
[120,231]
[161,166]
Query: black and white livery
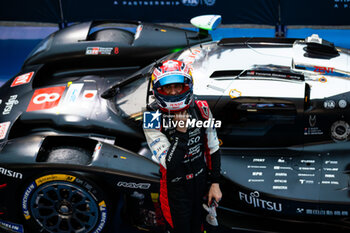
[71,140]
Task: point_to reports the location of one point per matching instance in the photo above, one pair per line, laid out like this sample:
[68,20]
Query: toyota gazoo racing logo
[155,120]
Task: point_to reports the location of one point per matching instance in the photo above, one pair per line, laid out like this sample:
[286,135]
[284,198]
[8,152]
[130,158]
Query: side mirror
[206,22]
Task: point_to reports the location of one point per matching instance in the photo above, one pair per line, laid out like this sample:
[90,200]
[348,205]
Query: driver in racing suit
[189,157]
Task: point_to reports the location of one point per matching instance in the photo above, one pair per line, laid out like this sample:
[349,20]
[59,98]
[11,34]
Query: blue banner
[263,12]
[177,11]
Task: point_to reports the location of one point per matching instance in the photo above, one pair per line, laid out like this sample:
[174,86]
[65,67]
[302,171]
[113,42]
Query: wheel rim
[63,207]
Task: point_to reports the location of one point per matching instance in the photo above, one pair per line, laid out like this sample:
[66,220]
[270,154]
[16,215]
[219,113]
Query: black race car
[71,140]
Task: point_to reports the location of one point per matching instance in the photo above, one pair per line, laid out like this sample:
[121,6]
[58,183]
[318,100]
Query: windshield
[131,98]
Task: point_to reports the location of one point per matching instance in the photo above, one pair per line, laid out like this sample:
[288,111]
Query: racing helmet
[172,72]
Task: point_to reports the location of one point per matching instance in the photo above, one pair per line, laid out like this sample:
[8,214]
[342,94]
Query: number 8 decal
[42,98]
[45,98]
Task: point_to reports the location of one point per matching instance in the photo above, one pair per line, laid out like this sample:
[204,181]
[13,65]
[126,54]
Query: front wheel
[64,203]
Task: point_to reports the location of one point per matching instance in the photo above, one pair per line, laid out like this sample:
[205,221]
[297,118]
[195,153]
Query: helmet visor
[171,79]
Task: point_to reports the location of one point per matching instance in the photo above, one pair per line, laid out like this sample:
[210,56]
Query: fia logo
[151,120]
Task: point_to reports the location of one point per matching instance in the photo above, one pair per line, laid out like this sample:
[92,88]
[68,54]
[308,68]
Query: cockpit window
[131,98]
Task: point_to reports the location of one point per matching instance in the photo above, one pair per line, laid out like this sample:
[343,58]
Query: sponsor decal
[303,181]
[307,161]
[22,79]
[342,103]
[209,2]
[330,169]
[103,209]
[12,227]
[9,104]
[171,153]
[45,98]
[234,93]
[324,212]
[323,70]
[134,185]
[89,94]
[322,79]
[312,120]
[257,174]
[163,154]
[258,160]
[279,181]
[97,149]
[340,130]
[26,194]
[154,142]
[9,173]
[329,104]
[306,175]
[329,182]
[203,108]
[192,57]
[193,140]
[73,93]
[189,176]
[98,51]
[307,168]
[116,50]
[198,2]
[3,129]
[282,168]
[195,149]
[252,166]
[331,162]
[281,174]
[53,177]
[256,180]
[190,3]
[279,187]
[194,132]
[312,131]
[138,31]
[254,200]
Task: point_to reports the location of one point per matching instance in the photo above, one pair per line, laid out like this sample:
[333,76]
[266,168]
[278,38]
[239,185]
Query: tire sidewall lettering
[30,189]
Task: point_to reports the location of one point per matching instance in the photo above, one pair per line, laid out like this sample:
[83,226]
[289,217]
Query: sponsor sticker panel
[22,79]
[45,98]
[4,126]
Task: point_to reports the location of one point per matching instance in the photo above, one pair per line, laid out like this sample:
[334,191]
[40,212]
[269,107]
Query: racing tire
[69,155]
[64,203]
[116,35]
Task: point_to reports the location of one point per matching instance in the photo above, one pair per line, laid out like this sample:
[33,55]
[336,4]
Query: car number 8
[44,97]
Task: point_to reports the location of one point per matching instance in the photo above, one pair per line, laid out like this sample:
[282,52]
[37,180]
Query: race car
[71,140]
